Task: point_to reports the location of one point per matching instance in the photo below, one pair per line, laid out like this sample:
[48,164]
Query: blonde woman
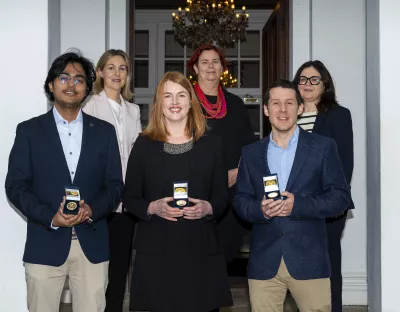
[110,102]
[179,266]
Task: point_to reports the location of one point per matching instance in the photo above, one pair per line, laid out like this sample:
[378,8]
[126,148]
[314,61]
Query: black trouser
[121,227]
[334,228]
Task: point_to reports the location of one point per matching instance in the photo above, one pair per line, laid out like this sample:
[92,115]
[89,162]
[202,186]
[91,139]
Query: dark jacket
[36,180]
[336,124]
[320,191]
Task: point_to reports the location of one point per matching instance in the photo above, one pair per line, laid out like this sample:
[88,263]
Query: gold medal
[181,202]
[272,194]
[270,182]
[180,190]
[71,206]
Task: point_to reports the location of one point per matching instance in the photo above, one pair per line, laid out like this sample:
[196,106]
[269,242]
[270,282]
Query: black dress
[235,131]
[178,266]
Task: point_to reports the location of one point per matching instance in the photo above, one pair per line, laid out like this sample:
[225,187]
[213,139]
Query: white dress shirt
[71,139]
[116,109]
[70,134]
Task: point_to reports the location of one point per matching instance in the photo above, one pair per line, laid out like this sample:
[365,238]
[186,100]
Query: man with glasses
[65,149]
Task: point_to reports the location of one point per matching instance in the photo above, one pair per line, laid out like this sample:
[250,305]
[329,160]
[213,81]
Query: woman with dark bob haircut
[227,118]
[323,115]
[70,57]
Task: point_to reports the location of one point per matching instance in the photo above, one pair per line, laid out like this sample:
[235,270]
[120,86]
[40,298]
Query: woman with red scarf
[227,118]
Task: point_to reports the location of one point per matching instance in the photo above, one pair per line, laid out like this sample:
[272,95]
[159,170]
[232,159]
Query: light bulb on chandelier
[210,21]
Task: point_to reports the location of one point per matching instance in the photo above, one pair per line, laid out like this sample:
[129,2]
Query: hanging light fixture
[210,21]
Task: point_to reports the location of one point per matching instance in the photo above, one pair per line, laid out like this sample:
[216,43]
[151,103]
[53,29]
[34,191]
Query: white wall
[334,33]
[117,25]
[389,24]
[23,60]
[83,26]
[94,26]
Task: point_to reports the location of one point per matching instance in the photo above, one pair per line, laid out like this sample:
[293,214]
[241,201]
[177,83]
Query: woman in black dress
[178,264]
[323,115]
[226,118]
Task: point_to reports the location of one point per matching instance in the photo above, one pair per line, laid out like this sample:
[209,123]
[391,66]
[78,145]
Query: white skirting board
[354,289]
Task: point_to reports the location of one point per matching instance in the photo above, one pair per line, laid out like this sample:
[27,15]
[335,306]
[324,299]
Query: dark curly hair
[328,97]
[70,57]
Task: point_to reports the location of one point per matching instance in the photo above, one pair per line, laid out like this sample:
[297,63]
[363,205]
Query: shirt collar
[59,119]
[292,141]
[115,103]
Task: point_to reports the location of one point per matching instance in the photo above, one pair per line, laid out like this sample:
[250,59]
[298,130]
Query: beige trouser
[310,295]
[87,282]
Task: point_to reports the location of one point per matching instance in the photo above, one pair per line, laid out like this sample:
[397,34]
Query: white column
[334,33]
[373,158]
[300,34]
[23,60]
[339,42]
[389,51]
[83,26]
[94,26]
[117,25]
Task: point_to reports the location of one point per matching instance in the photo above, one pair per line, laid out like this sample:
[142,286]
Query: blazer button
[283,233]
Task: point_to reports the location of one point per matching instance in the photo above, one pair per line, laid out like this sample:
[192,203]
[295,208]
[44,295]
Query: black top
[336,124]
[149,177]
[235,132]
[234,129]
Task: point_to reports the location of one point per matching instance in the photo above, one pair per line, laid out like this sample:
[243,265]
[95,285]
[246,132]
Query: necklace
[217,110]
[175,149]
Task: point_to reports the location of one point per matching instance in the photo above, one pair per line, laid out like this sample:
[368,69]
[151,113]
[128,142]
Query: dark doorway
[275,49]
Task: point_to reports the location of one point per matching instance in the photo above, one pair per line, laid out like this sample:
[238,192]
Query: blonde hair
[196,123]
[99,83]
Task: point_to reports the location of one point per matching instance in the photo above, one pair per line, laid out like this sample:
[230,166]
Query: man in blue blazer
[289,245]
[65,148]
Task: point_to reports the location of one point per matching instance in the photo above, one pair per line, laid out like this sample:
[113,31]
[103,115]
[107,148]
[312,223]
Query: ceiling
[173,4]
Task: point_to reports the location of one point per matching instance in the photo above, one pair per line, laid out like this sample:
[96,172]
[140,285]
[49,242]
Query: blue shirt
[280,160]
[71,139]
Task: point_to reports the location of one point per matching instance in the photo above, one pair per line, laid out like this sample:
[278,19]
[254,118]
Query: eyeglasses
[66,78]
[314,80]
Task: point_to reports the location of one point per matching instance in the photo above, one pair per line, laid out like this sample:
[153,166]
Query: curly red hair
[207,47]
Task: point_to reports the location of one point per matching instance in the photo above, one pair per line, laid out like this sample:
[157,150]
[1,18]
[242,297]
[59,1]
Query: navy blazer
[38,173]
[336,124]
[320,191]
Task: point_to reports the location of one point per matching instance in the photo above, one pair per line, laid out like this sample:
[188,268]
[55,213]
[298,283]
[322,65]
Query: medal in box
[271,187]
[181,198]
[72,198]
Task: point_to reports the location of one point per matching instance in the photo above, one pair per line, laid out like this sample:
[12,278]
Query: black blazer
[38,174]
[144,183]
[336,124]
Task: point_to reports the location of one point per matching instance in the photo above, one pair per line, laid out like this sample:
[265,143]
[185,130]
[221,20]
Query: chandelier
[210,21]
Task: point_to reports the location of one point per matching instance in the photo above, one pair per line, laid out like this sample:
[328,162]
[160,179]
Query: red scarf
[217,110]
